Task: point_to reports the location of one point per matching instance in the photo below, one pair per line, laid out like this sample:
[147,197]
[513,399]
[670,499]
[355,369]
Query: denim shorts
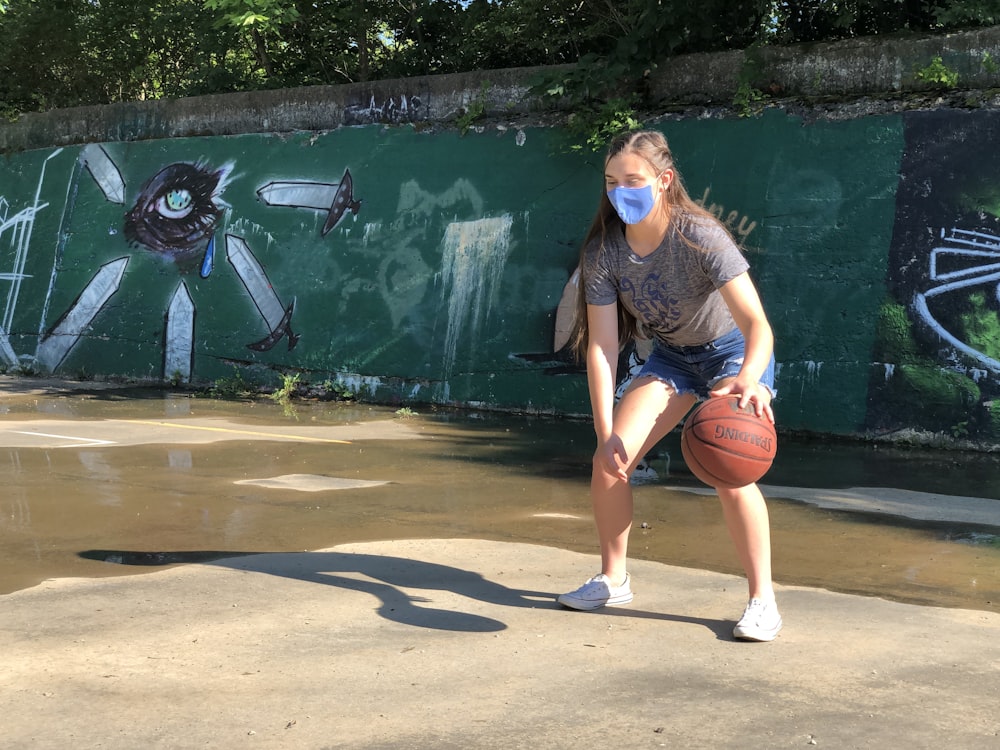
[697,369]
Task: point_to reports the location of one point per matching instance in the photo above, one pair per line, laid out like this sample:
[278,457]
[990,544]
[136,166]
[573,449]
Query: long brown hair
[651,146]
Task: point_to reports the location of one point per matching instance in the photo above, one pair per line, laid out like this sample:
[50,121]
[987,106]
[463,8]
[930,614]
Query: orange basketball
[725,446]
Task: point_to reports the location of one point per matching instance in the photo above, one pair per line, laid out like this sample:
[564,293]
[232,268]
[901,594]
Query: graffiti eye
[176,204]
[176,211]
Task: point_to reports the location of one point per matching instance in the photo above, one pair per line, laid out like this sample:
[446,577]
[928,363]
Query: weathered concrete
[421,99]
[459,644]
[878,65]
[867,66]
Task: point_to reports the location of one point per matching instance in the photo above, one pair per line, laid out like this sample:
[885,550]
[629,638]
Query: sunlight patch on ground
[922,506]
[310,483]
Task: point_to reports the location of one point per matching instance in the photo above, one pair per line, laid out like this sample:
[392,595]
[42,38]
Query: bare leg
[611,499]
[746,518]
[648,410]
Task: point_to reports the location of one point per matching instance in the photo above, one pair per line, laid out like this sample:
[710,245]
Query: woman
[654,260]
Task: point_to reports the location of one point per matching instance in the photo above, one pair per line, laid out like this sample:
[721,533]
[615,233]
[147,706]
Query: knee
[600,475]
[737,495]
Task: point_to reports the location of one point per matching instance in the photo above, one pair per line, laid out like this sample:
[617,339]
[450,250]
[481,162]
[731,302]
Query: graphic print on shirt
[652,299]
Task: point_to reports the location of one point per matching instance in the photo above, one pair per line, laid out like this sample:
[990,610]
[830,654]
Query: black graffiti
[176,211]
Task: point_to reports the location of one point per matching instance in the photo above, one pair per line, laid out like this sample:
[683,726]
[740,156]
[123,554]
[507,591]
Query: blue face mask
[632,204]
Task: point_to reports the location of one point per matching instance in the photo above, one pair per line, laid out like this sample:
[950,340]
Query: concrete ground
[460,644]
[445,643]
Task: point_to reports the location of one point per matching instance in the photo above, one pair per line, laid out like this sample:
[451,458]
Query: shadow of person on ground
[723,629]
[386,576]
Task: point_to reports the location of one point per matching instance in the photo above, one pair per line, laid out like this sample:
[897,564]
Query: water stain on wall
[474,255]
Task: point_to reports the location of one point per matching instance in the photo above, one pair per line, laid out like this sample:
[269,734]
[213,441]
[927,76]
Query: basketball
[725,446]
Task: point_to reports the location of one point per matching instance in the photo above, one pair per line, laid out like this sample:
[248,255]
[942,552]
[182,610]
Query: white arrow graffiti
[336,200]
[277,317]
[54,347]
[180,335]
[104,171]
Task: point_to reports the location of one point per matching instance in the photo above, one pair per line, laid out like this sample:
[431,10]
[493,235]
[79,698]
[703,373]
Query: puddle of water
[73,512]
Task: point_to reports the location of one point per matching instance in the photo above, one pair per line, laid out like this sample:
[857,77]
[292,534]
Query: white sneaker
[760,622]
[597,592]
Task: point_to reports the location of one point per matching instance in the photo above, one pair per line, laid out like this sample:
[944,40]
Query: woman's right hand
[611,457]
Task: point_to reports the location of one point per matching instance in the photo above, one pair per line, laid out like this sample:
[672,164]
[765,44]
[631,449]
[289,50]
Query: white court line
[85,441]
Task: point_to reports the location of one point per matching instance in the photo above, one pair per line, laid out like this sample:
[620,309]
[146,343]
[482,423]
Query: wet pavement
[178,572]
[97,476]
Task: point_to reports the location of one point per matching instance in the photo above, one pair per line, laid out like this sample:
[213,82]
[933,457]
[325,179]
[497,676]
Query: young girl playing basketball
[655,259]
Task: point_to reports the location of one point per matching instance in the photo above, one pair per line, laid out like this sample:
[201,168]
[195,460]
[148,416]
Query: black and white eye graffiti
[175,217]
[177,210]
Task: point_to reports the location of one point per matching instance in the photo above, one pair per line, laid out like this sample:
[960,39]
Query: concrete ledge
[422,99]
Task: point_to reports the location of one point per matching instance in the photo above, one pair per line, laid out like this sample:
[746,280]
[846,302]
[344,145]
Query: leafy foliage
[63,53]
[938,74]
[235,387]
[592,126]
[289,387]
[475,110]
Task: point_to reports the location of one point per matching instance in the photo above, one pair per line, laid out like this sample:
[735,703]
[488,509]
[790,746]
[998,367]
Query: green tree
[263,21]
[41,53]
[62,53]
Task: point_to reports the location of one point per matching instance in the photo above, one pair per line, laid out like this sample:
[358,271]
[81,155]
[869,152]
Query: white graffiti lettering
[734,222]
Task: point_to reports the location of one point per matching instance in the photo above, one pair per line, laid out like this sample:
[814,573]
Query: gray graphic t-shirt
[674,291]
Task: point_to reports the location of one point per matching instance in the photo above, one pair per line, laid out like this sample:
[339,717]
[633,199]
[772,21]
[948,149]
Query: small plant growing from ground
[405,413]
[593,127]
[339,390]
[235,387]
[603,98]
[475,111]
[937,74]
[26,370]
[289,385]
[747,99]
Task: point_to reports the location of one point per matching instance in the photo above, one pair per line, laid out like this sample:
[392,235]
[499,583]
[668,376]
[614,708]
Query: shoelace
[755,609]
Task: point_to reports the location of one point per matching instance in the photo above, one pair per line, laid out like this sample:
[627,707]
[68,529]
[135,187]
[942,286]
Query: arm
[741,296]
[602,370]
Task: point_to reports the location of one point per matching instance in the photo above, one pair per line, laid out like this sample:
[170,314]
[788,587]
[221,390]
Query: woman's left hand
[749,392]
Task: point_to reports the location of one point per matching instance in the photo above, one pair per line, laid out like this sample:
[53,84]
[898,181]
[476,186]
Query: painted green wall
[823,197]
[444,286]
